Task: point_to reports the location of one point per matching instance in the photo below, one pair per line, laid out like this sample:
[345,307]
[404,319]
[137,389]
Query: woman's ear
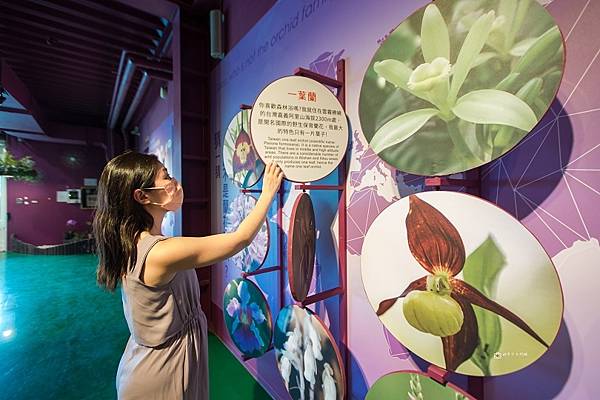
[140,196]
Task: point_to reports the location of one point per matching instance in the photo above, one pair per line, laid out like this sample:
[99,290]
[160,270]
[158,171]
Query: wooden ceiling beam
[51,17]
[76,100]
[35,71]
[12,29]
[26,40]
[119,10]
[57,62]
[75,89]
[37,77]
[116,21]
[42,52]
[11,18]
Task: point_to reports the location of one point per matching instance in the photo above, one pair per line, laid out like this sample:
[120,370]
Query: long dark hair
[119,219]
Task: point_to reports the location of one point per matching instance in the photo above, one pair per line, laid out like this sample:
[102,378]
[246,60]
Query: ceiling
[67,52]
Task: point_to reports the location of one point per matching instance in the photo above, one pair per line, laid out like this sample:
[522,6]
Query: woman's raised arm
[186,252]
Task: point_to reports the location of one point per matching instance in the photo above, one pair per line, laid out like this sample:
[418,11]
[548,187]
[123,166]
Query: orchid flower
[440,78]
[246,318]
[440,303]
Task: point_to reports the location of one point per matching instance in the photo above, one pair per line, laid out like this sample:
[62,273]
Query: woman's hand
[272,179]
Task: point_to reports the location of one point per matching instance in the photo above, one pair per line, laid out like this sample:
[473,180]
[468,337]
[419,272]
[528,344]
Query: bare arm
[179,253]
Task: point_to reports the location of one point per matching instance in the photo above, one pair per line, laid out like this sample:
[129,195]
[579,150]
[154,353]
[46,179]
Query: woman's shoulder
[154,271]
[147,236]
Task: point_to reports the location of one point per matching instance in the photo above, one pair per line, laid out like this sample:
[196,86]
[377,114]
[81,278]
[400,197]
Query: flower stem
[459,142]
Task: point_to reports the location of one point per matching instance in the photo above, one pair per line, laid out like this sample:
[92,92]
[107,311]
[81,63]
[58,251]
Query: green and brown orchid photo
[478,76]
[440,303]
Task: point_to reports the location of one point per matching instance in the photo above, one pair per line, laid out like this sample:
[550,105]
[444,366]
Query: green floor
[61,337]
[228,378]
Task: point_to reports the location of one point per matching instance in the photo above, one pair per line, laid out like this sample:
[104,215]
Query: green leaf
[521,48]
[517,21]
[481,270]
[507,84]
[506,9]
[474,142]
[435,41]
[551,84]
[400,128]
[490,106]
[531,90]
[469,51]
[541,106]
[462,142]
[528,93]
[541,51]
[490,338]
[483,58]
[483,265]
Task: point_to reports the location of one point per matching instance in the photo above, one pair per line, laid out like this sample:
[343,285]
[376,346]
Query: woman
[166,354]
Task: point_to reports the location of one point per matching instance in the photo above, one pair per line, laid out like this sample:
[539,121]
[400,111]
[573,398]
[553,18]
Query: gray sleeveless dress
[166,356]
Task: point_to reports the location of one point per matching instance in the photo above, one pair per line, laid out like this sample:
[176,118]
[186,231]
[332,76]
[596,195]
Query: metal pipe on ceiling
[151,69]
[43,138]
[145,82]
[122,92]
[147,78]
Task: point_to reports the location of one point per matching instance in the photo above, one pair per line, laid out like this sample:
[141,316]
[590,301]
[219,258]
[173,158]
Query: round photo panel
[242,164]
[253,256]
[413,385]
[461,283]
[247,317]
[302,239]
[459,83]
[307,356]
[300,124]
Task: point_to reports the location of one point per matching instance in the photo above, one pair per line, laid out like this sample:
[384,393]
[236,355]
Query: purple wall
[550,182]
[45,222]
[240,17]
[156,137]
[153,112]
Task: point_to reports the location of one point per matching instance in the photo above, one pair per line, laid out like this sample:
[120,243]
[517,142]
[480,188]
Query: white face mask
[175,192]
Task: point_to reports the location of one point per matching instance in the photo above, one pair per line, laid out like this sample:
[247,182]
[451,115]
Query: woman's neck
[157,216]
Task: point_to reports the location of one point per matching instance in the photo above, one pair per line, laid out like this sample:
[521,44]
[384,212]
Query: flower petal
[419,284]
[435,41]
[474,296]
[328,385]
[246,340]
[433,240]
[233,308]
[286,368]
[256,332]
[244,293]
[257,314]
[235,324]
[460,347]
[397,73]
[469,51]
[393,71]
